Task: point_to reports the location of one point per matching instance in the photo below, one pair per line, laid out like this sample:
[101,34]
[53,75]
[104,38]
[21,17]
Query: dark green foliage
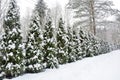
[104,47]
[34,54]
[50,53]
[77,50]
[84,43]
[34,46]
[71,46]
[11,45]
[93,46]
[90,45]
[62,53]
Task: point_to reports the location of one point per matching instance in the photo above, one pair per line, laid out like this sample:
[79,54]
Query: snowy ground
[103,67]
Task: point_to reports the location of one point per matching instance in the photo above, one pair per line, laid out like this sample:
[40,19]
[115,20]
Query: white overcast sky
[117,3]
[28,5]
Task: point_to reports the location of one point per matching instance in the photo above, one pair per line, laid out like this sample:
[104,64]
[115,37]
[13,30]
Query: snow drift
[103,67]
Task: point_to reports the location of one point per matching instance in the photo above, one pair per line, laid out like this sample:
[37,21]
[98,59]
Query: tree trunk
[0,17]
[92,16]
[0,9]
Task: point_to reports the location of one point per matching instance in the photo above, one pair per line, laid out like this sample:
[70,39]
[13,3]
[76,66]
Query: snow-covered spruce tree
[76,46]
[104,47]
[34,54]
[107,47]
[62,54]
[70,45]
[84,42]
[93,46]
[49,51]
[1,60]
[96,46]
[89,44]
[11,42]
[73,46]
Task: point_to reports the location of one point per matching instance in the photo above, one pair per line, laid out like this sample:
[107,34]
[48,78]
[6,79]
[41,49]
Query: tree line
[43,48]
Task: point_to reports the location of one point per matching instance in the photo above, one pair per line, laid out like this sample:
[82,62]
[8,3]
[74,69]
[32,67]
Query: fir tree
[76,46]
[62,55]
[104,47]
[11,45]
[84,42]
[34,54]
[50,53]
[2,60]
[70,46]
[92,46]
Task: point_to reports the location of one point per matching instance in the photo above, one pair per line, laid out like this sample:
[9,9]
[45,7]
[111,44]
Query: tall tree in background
[92,17]
[56,14]
[25,23]
[91,12]
[3,9]
[34,54]
[0,8]
[40,8]
[11,46]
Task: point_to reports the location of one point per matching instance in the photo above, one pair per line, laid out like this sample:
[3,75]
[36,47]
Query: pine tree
[70,46]
[84,42]
[92,46]
[62,55]
[34,54]
[76,46]
[11,46]
[103,47]
[50,53]
[1,59]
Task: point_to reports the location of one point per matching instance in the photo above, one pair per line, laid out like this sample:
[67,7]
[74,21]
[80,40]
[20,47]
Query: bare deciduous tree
[90,12]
